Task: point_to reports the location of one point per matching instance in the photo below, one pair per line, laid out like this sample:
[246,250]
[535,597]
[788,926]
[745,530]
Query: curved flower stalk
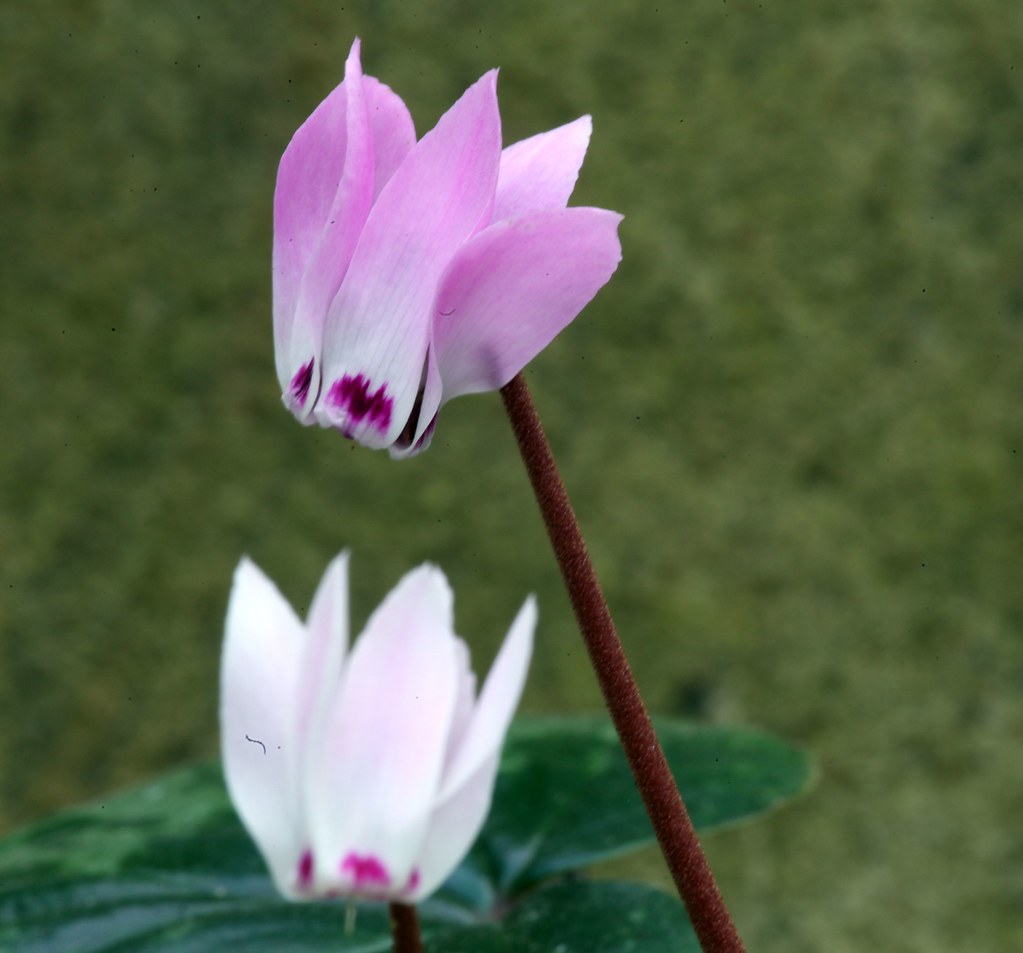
[407,273]
[364,771]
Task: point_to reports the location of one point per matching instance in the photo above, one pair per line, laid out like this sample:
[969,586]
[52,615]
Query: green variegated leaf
[168,866]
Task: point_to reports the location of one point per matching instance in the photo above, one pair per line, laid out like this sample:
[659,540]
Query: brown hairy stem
[405,928]
[668,814]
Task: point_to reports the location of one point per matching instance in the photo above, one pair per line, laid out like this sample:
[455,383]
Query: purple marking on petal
[365,870]
[413,881]
[299,386]
[305,869]
[352,395]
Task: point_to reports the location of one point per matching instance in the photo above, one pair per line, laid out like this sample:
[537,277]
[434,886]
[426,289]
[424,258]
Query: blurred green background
[790,425]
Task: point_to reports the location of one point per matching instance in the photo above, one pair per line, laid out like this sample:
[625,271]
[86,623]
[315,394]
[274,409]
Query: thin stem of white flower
[405,928]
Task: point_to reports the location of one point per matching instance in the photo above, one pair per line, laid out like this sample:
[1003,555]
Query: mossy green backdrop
[791,424]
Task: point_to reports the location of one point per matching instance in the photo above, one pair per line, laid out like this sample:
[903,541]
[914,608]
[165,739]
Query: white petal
[465,703]
[322,661]
[468,785]
[453,828]
[387,736]
[263,644]
[497,702]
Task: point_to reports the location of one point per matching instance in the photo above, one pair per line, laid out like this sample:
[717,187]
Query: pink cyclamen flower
[367,771]
[407,273]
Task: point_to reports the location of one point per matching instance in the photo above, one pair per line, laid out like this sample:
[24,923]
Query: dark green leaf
[121,916]
[168,866]
[579,917]
[565,798]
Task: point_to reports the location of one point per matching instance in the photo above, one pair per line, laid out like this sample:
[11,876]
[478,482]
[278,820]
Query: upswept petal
[331,248]
[377,330]
[307,181]
[383,754]
[263,644]
[468,786]
[326,643]
[496,705]
[328,613]
[513,287]
[453,827]
[393,132]
[465,703]
[538,174]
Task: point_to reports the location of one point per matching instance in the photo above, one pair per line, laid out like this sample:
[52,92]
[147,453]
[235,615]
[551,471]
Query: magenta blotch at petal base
[366,871]
[299,388]
[305,870]
[351,395]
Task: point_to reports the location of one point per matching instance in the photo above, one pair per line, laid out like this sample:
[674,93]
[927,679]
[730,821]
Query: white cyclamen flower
[366,771]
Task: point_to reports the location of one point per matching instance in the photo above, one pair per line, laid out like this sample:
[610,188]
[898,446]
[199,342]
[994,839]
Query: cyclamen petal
[373,236]
[538,174]
[365,773]
[378,326]
[488,723]
[453,828]
[386,734]
[513,287]
[259,674]
[324,191]
[333,169]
